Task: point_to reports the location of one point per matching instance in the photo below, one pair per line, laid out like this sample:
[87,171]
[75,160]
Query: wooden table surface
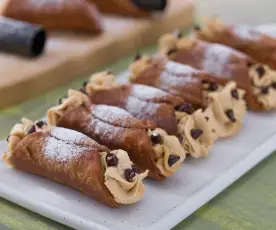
[249,204]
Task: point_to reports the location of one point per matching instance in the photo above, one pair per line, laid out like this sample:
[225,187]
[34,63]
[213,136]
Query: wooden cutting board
[71,55]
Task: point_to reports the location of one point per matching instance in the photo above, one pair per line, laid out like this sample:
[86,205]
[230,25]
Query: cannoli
[21,38]
[258,80]
[168,111]
[132,8]
[149,147]
[55,14]
[203,90]
[244,38]
[73,159]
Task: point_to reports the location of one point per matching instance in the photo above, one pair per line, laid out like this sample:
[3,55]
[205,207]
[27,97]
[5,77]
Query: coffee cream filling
[170,42]
[218,103]
[138,66]
[211,27]
[124,192]
[18,132]
[101,81]
[262,85]
[196,147]
[169,145]
[75,99]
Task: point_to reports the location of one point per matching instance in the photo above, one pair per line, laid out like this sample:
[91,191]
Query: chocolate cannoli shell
[84,173]
[121,7]
[222,62]
[21,38]
[65,15]
[116,129]
[248,40]
[142,102]
[182,80]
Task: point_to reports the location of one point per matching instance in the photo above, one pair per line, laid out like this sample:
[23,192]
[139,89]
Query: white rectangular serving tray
[165,204]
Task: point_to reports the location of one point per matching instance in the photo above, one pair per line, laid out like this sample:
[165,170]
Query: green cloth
[249,204]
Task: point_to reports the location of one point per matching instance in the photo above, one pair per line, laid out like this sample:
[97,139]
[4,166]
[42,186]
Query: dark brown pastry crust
[116,129]
[84,174]
[155,104]
[235,67]
[187,85]
[258,45]
[64,15]
[121,7]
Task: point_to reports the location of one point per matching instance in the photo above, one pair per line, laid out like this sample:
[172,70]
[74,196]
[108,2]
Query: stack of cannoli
[244,38]
[169,112]
[24,24]
[149,147]
[80,15]
[256,79]
[213,95]
[106,137]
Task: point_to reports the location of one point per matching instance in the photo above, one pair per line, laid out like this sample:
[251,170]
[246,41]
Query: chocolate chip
[31,130]
[109,72]
[130,174]
[261,71]
[137,56]
[274,85]
[230,114]
[197,27]
[111,159]
[39,124]
[207,118]
[82,90]
[212,86]
[171,51]
[156,138]
[178,34]
[235,94]
[249,64]
[186,108]
[196,133]
[84,84]
[8,138]
[61,99]
[180,138]
[173,159]
[135,169]
[264,90]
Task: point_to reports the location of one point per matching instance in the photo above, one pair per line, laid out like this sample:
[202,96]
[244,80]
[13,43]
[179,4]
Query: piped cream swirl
[100,81]
[169,153]
[124,192]
[196,147]
[225,112]
[75,99]
[169,43]
[211,28]
[263,85]
[138,66]
[19,131]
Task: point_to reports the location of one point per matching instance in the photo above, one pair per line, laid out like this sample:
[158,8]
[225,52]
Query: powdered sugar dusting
[62,145]
[147,92]
[215,59]
[67,134]
[109,113]
[246,32]
[178,74]
[177,68]
[140,109]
